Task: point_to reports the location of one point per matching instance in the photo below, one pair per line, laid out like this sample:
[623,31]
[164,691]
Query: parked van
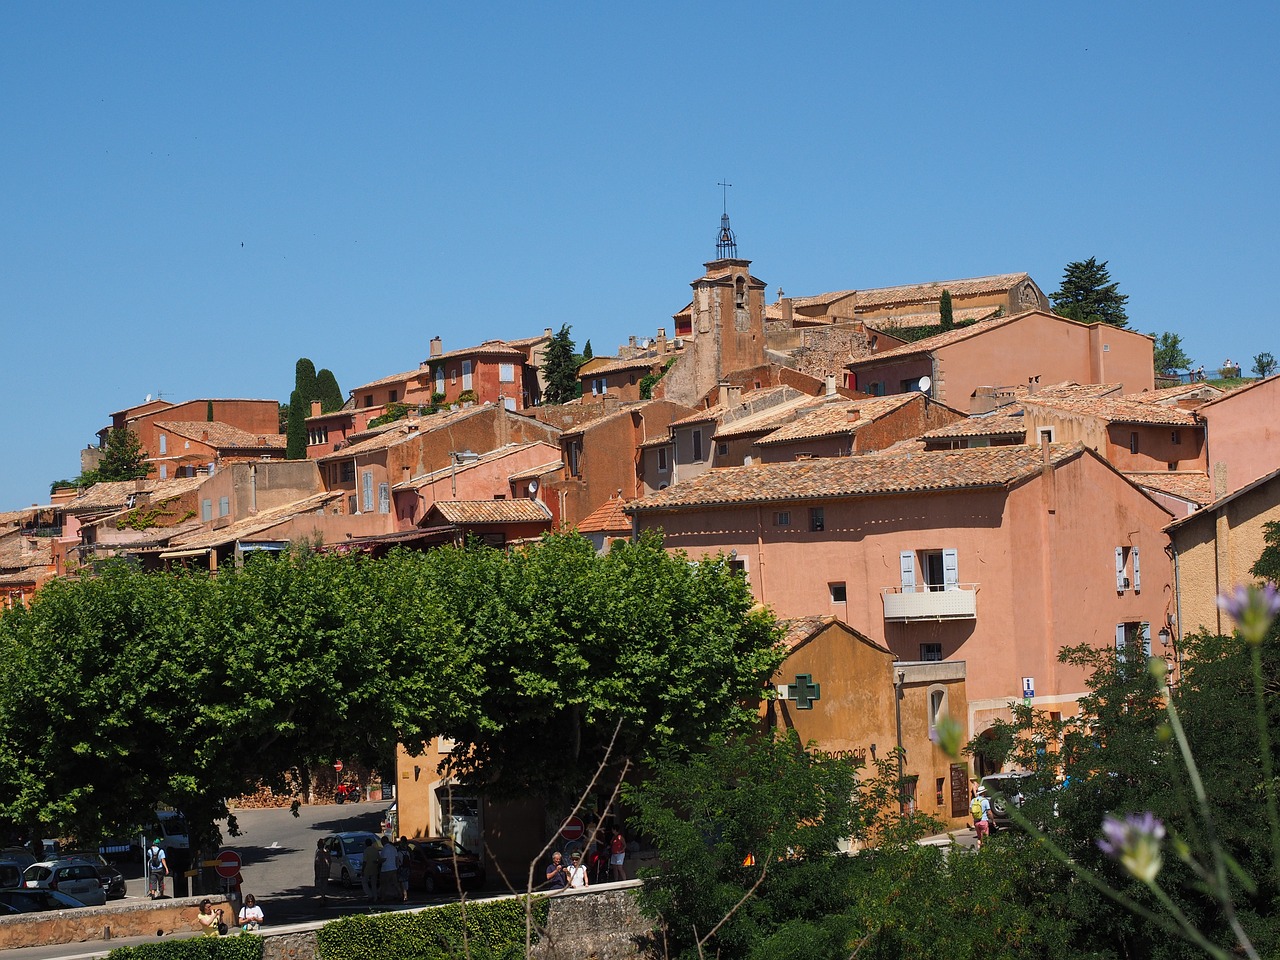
[171,827]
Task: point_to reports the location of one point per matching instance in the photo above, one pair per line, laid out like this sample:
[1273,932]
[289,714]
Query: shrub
[495,929]
[195,948]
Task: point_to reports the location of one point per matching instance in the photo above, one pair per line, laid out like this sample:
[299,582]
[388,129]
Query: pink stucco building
[997,556]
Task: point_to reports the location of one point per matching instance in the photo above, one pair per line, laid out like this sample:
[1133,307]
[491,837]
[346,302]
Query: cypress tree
[296,432]
[329,394]
[946,320]
[304,381]
[208,413]
[560,368]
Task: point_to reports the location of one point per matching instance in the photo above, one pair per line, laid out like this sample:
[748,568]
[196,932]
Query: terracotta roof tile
[490,348]
[552,466]
[607,518]
[630,363]
[1005,422]
[1112,409]
[223,435]
[939,340]
[1188,485]
[421,373]
[930,318]
[492,511]
[1201,391]
[19,552]
[114,494]
[971,287]
[833,419]
[747,405]
[858,476]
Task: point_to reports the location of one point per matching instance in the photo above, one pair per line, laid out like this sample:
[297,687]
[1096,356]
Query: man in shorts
[157,869]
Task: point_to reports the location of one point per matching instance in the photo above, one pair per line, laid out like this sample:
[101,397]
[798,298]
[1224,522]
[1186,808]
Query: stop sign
[338,766]
[573,828]
[228,864]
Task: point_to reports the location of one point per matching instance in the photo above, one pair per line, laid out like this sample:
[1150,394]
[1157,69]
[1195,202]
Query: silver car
[75,878]
[346,854]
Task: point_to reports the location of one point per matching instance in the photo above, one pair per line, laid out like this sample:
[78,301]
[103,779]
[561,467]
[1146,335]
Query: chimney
[204,435]
[546,332]
[437,347]
[831,385]
[788,309]
[982,401]
[315,408]
[854,414]
[631,342]
[730,393]
[408,475]
[660,342]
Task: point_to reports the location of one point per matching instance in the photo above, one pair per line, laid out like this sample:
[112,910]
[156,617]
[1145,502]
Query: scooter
[344,793]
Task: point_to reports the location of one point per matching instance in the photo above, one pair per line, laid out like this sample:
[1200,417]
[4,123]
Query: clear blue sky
[195,195]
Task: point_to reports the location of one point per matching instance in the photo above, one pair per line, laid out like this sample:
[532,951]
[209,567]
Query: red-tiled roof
[1005,422]
[632,363]
[971,287]
[114,494]
[1112,409]
[492,511]
[1201,391]
[223,435]
[939,340]
[1189,485]
[607,518]
[834,419]
[889,472]
[422,373]
[259,523]
[490,348]
[800,630]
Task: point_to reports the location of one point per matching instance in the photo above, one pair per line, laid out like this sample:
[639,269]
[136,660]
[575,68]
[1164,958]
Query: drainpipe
[897,703]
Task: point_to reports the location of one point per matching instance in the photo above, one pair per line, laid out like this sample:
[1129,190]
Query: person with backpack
[157,869]
[980,809]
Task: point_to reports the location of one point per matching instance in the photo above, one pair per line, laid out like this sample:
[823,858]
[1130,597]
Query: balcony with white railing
[956,601]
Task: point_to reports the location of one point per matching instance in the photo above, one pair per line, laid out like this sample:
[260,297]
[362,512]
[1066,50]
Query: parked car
[432,865]
[390,821]
[18,855]
[113,882]
[32,901]
[346,854]
[1014,789]
[75,878]
[11,873]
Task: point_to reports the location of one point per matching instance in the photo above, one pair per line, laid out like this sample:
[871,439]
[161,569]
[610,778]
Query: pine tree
[296,432]
[1089,295]
[586,352]
[560,369]
[946,319]
[329,394]
[122,459]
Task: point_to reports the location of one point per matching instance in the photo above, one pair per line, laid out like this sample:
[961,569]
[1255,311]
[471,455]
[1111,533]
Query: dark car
[32,901]
[113,882]
[432,865]
[11,873]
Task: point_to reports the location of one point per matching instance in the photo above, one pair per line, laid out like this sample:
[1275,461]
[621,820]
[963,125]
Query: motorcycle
[345,792]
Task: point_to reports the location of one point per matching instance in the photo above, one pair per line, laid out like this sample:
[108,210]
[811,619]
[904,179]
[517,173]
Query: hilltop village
[932,519]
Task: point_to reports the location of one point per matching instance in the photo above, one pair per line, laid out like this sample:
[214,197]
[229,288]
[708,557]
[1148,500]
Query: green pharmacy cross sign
[804,691]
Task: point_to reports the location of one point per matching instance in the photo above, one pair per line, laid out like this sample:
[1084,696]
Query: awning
[178,554]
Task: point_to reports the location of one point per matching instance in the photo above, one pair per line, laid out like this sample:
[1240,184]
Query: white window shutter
[1146,640]
[950,569]
[907,562]
[1119,569]
[1120,642]
[1137,573]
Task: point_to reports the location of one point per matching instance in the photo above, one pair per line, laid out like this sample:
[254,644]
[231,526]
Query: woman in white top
[577,872]
[250,914]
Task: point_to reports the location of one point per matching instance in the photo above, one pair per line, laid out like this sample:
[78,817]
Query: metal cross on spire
[726,243]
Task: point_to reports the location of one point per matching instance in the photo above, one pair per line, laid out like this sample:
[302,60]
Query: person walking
[320,870]
[980,809]
[370,868]
[157,869]
[618,857]
[403,855]
[388,876]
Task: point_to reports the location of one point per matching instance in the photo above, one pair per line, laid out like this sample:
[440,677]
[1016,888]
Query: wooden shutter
[907,563]
[950,569]
[1120,642]
[1119,569]
[1137,573]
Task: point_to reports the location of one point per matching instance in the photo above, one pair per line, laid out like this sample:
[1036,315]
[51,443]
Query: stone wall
[603,923]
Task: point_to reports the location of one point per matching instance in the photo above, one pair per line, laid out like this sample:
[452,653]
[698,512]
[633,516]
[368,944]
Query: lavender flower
[1253,609]
[1135,842]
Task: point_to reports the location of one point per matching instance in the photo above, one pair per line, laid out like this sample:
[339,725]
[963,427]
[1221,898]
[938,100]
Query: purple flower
[1135,842]
[1253,609]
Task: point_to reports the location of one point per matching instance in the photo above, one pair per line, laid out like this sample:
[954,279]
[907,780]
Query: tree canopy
[328,392]
[1168,355]
[128,689]
[946,315]
[560,369]
[1088,294]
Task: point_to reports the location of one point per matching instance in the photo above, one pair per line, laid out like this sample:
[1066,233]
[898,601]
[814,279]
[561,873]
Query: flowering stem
[1264,745]
[1188,929]
[1197,785]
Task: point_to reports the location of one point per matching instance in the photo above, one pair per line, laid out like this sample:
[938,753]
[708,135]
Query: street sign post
[338,766]
[573,829]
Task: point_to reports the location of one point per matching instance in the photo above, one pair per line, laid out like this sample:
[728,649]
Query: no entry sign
[338,766]
[228,864]
[573,829]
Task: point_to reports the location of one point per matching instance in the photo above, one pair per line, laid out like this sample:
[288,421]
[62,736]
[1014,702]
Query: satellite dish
[925,384]
[533,486]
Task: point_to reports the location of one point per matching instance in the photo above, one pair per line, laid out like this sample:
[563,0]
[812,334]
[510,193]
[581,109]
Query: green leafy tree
[1089,295]
[560,369]
[330,395]
[1168,354]
[284,418]
[296,429]
[946,317]
[122,459]
[1264,365]
[754,818]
